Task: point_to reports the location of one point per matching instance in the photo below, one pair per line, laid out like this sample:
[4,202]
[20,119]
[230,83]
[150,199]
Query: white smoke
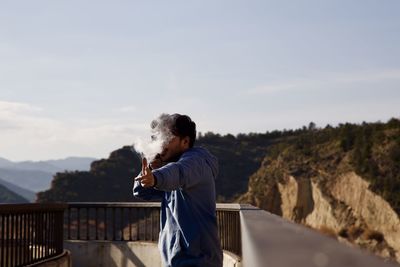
[159,135]
[148,149]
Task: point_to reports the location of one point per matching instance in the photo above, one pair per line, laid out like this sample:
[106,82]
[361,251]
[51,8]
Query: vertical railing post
[87,223]
[105,223]
[113,224]
[96,223]
[122,223]
[78,221]
[130,223]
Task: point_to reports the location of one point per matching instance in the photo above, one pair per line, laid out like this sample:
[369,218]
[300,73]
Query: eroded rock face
[323,213]
[344,204]
[373,209]
[303,202]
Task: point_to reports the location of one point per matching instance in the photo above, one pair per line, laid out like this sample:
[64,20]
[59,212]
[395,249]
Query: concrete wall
[123,254]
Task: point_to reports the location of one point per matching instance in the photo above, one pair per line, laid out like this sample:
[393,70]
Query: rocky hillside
[111,179]
[342,181]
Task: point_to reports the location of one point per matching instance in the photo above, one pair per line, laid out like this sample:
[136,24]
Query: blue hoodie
[189,233]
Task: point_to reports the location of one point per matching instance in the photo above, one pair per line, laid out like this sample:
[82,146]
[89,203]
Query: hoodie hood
[210,159]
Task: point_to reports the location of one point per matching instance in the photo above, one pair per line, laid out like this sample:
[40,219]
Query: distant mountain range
[52,166]
[25,178]
[25,193]
[5,162]
[8,196]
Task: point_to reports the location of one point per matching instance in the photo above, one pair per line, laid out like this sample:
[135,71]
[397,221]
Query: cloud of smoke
[160,135]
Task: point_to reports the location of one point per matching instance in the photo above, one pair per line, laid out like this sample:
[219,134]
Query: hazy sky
[83,78]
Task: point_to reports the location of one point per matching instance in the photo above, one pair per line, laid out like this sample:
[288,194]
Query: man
[185,184]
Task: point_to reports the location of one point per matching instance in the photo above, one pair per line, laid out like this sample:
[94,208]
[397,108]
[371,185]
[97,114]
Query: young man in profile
[183,177]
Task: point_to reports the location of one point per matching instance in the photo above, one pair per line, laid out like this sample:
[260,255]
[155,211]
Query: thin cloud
[26,133]
[325,81]
[17,107]
[280,87]
[126,109]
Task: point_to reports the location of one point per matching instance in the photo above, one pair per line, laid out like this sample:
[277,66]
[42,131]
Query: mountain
[111,179]
[7,196]
[28,179]
[51,166]
[108,180]
[5,162]
[240,156]
[42,166]
[37,175]
[72,163]
[26,194]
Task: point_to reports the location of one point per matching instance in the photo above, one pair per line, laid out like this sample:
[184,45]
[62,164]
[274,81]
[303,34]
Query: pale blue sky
[82,78]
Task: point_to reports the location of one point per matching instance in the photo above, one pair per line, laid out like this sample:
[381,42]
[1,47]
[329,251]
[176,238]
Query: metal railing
[30,233]
[228,218]
[117,221]
[138,221]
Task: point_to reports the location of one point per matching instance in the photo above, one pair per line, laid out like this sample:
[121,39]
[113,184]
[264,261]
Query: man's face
[172,150]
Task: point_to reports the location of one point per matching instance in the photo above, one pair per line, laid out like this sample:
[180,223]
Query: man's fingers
[148,170]
[145,180]
[144,165]
[142,179]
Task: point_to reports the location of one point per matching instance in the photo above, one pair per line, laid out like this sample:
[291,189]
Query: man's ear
[186,141]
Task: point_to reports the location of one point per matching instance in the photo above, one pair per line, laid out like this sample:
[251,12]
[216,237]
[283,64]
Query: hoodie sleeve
[185,173]
[146,193]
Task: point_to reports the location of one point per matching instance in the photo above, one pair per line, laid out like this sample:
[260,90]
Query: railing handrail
[114,204]
[219,206]
[31,207]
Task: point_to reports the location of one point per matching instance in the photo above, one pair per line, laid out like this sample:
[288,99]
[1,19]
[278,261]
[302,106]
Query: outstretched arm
[185,173]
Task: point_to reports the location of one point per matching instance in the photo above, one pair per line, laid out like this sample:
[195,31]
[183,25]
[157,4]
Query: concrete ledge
[231,260]
[123,254]
[63,260]
[113,253]
[269,240]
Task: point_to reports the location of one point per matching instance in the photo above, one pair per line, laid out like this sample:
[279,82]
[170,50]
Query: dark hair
[176,124]
[182,126]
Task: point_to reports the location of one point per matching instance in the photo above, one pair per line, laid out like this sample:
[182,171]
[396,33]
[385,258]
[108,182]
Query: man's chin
[165,157]
[170,158]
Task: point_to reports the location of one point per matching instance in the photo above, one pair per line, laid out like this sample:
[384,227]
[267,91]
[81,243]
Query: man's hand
[147,177]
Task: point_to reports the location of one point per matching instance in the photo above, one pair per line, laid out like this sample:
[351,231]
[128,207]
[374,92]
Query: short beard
[174,158]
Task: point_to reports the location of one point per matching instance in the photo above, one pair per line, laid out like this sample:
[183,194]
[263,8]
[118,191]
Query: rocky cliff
[320,188]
